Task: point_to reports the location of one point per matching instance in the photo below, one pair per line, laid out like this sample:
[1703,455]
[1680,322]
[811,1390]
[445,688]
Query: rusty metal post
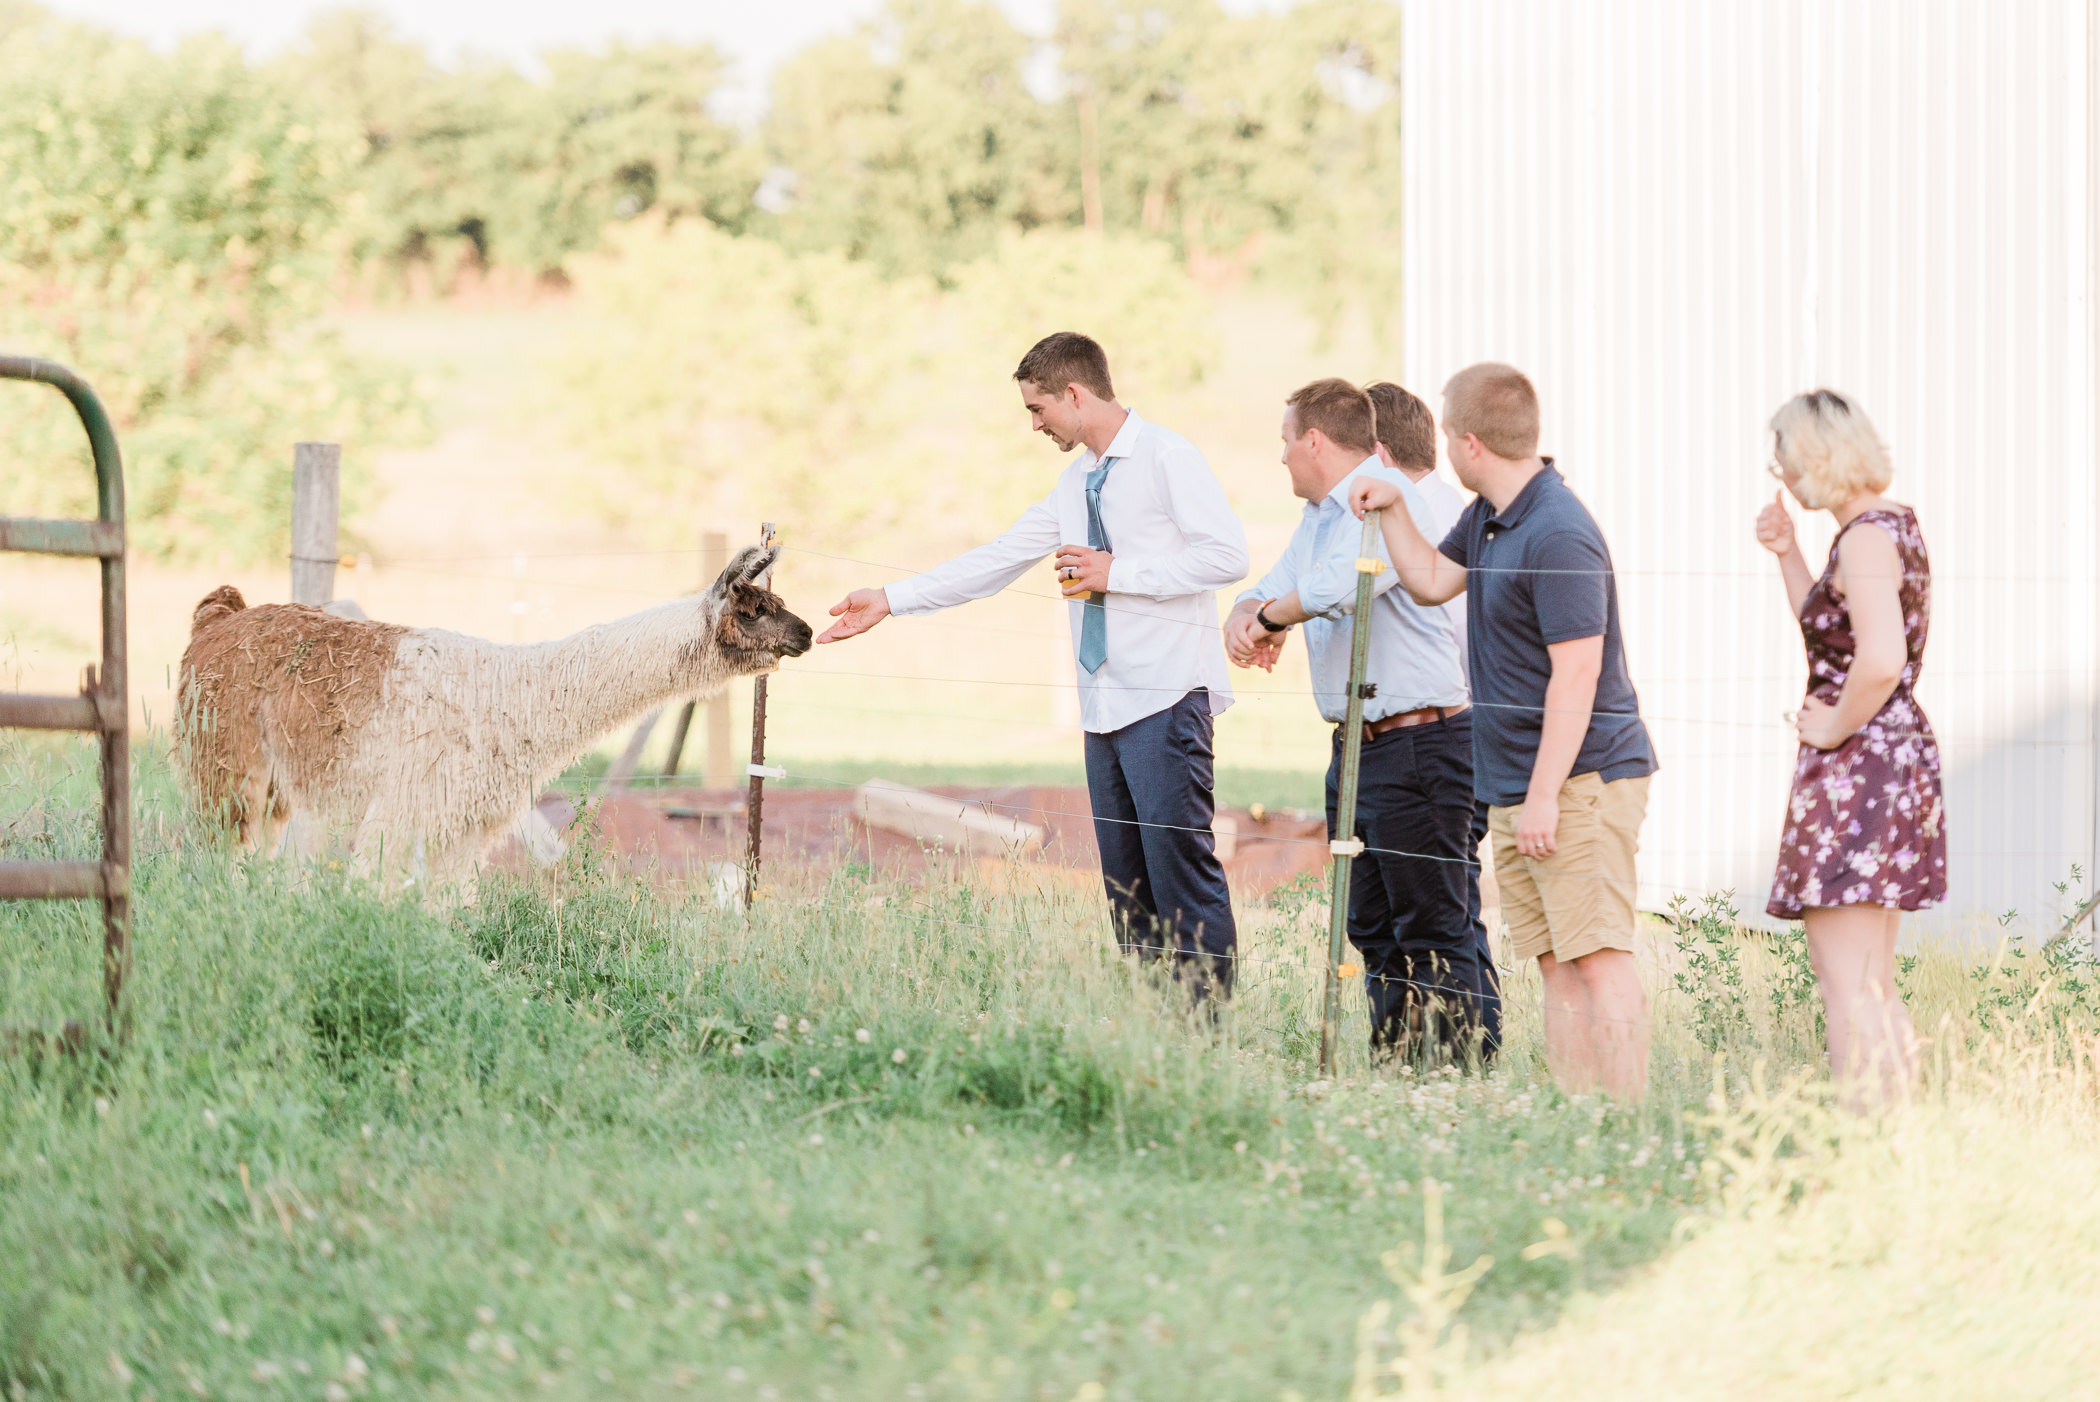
[755,802]
[102,707]
[1346,844]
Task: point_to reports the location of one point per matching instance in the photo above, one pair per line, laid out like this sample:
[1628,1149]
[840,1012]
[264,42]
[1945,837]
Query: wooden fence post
[316,498]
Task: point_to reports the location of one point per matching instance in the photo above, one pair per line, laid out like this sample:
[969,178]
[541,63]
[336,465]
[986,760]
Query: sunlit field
[875,1140]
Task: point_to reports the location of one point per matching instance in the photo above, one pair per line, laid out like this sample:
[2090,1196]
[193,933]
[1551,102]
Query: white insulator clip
[766,771]
[1347,847]
[1369,564]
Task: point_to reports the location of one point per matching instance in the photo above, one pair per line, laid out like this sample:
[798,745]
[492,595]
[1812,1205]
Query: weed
[1710,971]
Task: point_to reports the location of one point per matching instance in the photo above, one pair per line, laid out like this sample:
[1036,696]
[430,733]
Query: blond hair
[1496,404]
[1831,446]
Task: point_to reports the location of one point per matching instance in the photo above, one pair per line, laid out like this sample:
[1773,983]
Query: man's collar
[1528,497]
[1371,466]
[1125,441]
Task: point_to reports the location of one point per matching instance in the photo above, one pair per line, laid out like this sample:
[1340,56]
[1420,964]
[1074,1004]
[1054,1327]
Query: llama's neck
[559,697]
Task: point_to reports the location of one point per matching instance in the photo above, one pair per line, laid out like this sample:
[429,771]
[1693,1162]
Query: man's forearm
[1286,610]
[1571,698]
[1428,575]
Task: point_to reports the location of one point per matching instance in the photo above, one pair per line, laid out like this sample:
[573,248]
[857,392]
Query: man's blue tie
[1093,622]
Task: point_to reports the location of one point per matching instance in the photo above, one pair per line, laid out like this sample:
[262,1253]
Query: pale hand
[1775,526]
[1538,828]
[1249,644]
[1081,571]
[1816,724]
[1370,494]
[856,613]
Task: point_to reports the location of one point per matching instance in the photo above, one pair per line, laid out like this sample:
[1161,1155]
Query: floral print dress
[1864,825]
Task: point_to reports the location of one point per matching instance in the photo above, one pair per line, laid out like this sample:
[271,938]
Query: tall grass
[592,1137]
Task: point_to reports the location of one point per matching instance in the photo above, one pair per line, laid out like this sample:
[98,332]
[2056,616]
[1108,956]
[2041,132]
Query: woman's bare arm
[1775,532]
[1870,571]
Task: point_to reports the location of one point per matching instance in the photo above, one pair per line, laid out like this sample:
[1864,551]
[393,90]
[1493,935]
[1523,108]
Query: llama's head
[753,629]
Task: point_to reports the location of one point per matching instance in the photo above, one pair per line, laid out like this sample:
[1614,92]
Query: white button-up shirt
[1446,504]
[1176,542]
[1414,655]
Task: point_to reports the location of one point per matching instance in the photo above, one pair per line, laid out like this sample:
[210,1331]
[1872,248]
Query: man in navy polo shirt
[1559,752]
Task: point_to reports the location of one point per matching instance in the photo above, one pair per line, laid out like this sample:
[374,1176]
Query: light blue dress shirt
[1414,657]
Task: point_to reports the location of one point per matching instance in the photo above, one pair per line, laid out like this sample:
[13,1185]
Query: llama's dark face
[753,628]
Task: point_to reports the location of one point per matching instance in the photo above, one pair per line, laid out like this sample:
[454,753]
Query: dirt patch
[682,835]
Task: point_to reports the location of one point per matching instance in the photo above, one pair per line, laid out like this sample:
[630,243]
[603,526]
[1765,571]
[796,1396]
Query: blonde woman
[1864,838]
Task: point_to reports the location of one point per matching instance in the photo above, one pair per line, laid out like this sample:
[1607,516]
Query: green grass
[574,1132]
[874,1141]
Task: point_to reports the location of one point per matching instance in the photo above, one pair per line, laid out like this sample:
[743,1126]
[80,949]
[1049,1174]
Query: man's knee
[1606,969]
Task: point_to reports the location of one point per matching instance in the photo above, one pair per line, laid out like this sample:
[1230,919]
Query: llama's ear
[750,563]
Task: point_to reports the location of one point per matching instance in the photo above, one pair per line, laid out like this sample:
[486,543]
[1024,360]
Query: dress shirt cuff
[1259,596]
[1126,575]
[904,597]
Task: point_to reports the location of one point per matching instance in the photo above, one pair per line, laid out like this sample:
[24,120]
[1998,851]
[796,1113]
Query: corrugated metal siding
[1676,215]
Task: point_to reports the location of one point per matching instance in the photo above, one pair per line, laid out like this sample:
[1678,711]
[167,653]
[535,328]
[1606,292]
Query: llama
[416,748]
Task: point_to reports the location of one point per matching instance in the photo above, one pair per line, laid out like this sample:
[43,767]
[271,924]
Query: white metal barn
[1676,213]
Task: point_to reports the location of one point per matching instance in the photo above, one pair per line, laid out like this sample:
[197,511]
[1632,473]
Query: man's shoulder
[1561,518]
[1469,518]
[1445,502]
[1168,447]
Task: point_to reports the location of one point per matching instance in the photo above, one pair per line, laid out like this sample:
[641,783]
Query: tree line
[177,220]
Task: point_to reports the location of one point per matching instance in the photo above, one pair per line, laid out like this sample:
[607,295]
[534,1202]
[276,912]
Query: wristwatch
[1261,616]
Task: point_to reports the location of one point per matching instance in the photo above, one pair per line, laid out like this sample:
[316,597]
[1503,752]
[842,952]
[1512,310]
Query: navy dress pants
[1150,785]
[1414,901]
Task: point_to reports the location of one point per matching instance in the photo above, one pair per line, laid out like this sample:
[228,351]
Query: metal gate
[100,708]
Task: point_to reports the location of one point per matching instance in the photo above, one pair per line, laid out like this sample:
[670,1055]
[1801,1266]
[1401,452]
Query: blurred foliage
[1268,141]
[925,197]
[712,359]
[914,142]
[168,229]
[1265,142]
[481,165]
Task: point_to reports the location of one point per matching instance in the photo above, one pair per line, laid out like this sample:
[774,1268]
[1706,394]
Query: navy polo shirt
[1540,573]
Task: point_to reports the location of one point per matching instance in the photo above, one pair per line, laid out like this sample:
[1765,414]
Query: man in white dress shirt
[1414,902]
[1160,540]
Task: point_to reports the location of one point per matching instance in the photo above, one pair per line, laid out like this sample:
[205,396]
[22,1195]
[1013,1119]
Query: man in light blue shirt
[1414,906]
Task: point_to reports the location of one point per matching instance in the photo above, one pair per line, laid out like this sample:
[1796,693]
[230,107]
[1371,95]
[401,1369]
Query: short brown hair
[1340,410]
[1405,425]
[1496,404]
[1065,358]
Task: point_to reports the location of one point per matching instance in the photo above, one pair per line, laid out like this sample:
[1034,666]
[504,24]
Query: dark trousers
[1150,784]
[1416,918]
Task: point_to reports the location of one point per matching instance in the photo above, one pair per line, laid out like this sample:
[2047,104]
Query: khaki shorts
[1580,899]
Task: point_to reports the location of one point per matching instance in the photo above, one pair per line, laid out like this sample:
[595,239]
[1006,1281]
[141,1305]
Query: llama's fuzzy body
[413,748]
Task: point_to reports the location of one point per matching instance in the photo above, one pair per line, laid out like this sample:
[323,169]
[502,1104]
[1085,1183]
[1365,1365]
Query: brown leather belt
[1375,728]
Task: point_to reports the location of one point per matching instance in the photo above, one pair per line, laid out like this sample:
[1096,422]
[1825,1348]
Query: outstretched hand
[1775,526]
[856,613]
[1370,494]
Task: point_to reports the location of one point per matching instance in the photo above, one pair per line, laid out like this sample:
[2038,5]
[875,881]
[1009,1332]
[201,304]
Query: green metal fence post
[1346,844]
[102,708]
